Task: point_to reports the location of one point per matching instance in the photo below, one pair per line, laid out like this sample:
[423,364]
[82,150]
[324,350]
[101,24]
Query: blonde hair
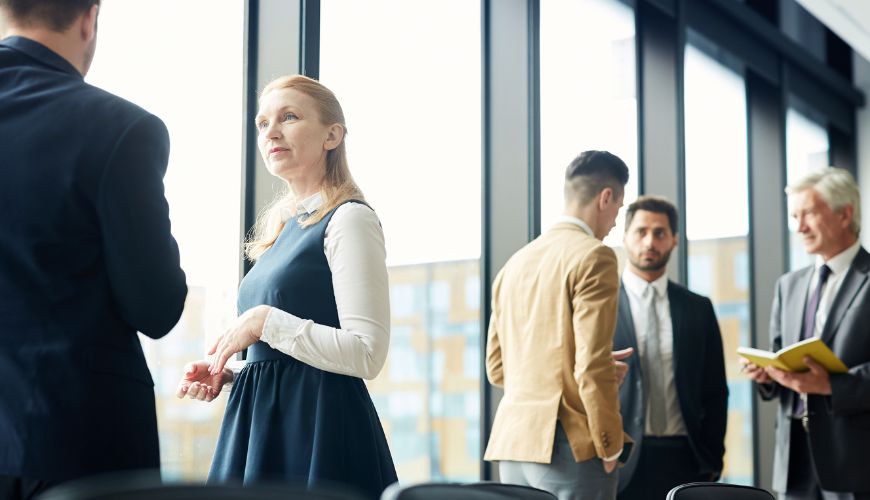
[338,184]
[837,187]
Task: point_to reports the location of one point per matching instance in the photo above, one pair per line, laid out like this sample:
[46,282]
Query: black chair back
[139,487]
[514,490]
[473,491]
[718,491]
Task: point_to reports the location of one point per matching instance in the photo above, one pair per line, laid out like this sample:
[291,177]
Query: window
[806,143]
[588,98]
[717,227]
[411,97]
[200,100]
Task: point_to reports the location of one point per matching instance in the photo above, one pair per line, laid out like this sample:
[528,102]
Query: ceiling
[849,19]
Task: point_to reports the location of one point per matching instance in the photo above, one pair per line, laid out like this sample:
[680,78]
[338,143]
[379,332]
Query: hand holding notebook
[790,358]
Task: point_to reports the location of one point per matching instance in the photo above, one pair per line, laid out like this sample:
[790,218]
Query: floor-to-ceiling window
[146,54]
[807,148]
[717,225]
[588,94]
[408,77]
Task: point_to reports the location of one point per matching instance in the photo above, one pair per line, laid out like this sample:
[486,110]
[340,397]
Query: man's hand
[755,372]
[198,383]
[815,381]
[620,368]
[245,331]
[609,465]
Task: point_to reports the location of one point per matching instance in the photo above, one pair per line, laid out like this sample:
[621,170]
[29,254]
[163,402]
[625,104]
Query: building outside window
[717,225]
[410,90]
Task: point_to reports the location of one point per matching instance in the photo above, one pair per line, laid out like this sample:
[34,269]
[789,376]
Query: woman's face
[292,140]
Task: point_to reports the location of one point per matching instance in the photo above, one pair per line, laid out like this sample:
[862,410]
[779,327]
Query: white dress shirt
[838,264]
[635,286]
[355,252]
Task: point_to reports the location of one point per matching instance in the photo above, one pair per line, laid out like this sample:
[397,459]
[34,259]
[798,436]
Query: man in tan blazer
[554,304]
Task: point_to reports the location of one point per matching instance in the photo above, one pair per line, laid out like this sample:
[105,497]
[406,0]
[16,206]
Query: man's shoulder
[572,240]
[108,104]
[682,293]
[791,277]
[36,80]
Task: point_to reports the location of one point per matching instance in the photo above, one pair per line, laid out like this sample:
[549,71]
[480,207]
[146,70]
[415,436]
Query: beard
[651,265]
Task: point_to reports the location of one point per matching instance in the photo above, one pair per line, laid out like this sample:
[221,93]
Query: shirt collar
[577,222]
[307,207]
[840,262]
[40,53]
[636,285]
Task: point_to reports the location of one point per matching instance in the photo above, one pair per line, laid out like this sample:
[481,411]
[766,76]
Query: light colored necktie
[654,375]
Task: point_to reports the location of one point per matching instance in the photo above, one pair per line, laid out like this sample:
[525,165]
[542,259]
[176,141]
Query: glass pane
[414,147]
[200,100]
[806,143]
[588,98]
[717,227]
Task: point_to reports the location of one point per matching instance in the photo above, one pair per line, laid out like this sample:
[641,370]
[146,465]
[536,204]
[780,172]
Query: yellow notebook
[791,358]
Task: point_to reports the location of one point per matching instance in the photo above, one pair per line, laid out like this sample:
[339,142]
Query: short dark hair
[56,15]
[655,204]
[591,172]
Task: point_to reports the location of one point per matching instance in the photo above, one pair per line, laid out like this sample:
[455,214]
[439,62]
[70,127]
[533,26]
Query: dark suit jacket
[86,260]
[699,376]
[839,424]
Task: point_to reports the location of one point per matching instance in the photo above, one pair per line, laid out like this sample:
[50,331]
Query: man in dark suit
[823,423]
[86,257]
[674,400]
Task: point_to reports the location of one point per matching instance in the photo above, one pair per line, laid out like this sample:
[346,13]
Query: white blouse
[355,252]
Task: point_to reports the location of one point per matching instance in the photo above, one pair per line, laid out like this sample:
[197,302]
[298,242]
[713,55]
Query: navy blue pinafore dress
[286,420]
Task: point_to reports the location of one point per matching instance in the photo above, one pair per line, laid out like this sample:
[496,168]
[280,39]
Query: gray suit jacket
[839,424]
[699,376]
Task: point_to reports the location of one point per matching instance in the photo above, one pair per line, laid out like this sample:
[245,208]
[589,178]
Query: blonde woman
[314,314]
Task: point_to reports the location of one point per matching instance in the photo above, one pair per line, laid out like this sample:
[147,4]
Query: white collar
[577,222]
[840,262]
[307,206]
[636,285]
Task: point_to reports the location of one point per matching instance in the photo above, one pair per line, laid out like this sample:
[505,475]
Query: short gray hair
[836,186]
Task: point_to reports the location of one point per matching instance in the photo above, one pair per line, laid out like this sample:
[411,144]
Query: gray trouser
[563,477]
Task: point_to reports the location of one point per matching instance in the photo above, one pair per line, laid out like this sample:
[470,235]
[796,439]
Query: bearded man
[674,400]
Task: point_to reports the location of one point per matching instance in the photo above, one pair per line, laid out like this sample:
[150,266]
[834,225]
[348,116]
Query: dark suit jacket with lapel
[86,260]
[839,424]
[699,376]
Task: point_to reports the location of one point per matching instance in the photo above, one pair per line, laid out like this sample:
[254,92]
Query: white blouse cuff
[280,328]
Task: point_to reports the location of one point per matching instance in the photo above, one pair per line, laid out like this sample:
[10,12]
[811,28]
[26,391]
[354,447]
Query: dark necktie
[813,303]
[800,405]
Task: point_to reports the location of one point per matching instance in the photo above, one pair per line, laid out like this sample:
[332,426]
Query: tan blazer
[550,337]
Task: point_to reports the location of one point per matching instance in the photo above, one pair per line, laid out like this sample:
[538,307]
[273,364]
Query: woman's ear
[334,136]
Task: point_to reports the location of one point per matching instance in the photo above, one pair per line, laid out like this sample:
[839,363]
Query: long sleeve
[595,297]
[772,390]
[714,416]
[355,252]
[142,259]
[850,392]
[494,368]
